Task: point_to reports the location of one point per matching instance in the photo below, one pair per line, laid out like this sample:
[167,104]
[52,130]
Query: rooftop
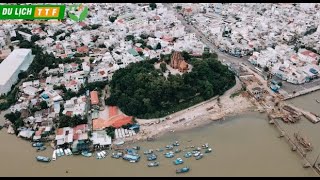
[13,62]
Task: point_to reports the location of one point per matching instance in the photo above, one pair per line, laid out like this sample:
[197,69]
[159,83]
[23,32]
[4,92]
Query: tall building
[18,60]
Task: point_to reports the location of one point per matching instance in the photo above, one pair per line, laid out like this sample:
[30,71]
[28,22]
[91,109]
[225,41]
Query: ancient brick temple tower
[177,62]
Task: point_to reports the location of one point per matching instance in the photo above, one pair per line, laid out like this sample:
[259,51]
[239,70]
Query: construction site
[280,113]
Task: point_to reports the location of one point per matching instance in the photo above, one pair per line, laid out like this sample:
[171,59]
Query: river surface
[245,145]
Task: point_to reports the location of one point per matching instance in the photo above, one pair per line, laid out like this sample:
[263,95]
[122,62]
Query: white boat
[102,155]
[54,156]
[61,152]
[66,152]
[58,152]
[69,151]
[98,155]
[118,142]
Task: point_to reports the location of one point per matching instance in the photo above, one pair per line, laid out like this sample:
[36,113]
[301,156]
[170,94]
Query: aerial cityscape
[160,89]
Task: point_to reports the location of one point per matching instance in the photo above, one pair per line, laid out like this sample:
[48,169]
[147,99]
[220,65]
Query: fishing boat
[43,159]
[317,101]
[152,157]
[209,150]
[118,142]
[198,149]
[205,146]
[178,161]
[86,154]
[69,151]
[131,151]
[183,170]
[54,155]
[199,157]
[104,153]
[150,151]
[37,144]
[116,155]
[188,154]
[153,164]
[159,150]
[169,155]
[176,143]
[196,154]
[191,146]
[303,141]
[66,152]
[61,152]
[42,148]
[98,156]
[136,147]
[177,150]
[129,157]
[169,147]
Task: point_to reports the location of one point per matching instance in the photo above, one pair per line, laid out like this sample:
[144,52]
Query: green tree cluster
[139,90]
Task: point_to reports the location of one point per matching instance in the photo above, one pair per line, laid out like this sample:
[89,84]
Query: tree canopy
[142,91]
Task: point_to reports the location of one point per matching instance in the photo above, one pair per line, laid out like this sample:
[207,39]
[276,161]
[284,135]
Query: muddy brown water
[245,145]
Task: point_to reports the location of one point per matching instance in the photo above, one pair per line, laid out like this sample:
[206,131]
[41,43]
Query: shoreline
[196,116]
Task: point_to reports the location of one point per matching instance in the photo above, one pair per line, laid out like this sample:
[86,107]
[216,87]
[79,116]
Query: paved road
[204,39]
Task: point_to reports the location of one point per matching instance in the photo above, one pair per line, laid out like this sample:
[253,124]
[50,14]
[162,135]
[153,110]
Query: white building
[18,60]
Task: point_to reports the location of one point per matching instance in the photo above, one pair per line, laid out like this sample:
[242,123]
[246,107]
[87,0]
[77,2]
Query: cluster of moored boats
[131,154]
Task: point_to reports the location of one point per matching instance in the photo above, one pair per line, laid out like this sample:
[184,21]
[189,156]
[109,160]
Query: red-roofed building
[83,49]
[138,49]
[94,98]
[308,56]
[80,132]
[115,121]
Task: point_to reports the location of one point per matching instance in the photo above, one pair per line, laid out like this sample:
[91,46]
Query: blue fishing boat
[199,157]
[188,154]
[116,155]
[152,157]
[178,161]
[86,154]
[43,159]
[153,164]
[37,144]
[131,151]
[169,155]
[131,158]
[183,170]
[208,150]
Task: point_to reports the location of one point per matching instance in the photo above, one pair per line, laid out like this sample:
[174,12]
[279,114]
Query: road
[204,39]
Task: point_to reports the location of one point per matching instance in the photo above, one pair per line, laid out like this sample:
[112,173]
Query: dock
[303,92]
[309,115]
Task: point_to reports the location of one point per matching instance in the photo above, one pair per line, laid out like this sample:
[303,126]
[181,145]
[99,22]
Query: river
[245,145]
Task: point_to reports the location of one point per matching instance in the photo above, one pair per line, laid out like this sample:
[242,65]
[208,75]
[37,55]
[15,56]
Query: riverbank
[201,114]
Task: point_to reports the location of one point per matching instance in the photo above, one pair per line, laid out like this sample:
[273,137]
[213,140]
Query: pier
[302,92]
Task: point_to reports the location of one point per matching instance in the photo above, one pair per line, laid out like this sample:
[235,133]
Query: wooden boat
[43,159]
[37,144]
[178,161]
[205,146]
[199,157]
[176,143]
[285,119]
[86,154]
[136,147]
[153,164]
[129,157]
[169,155]
[196,154]
[152,157]
[208,150]
[150,151]
[183,170]
[169,147]
[177,150]
[188,154]
[303,141]
[317,101]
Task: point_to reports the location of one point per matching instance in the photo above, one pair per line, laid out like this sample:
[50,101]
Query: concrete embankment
[303,92]
[310,116]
